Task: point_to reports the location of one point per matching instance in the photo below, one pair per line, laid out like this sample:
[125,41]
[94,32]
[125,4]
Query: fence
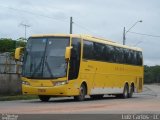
[10,83]
[8,65]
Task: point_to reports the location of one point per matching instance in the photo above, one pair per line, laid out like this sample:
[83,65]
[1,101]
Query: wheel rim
[131,92]
[82,92]
[125,93]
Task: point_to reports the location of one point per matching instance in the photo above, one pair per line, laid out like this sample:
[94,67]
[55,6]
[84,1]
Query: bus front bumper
[62,90]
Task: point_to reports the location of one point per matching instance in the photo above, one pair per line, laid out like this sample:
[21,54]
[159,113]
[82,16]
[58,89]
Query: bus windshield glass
[45,58]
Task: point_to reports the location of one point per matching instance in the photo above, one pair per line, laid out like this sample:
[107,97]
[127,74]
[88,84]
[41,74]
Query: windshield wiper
[48,68]
[42,64]
[38,67]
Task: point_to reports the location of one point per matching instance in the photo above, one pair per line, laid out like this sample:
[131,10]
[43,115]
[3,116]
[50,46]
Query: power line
[20,10]
[82,27]
[86,29]
[28,12]
[78,25]
[137,43]
[144,34]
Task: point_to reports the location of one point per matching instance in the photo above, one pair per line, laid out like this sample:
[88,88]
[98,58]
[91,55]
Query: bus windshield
[45,58]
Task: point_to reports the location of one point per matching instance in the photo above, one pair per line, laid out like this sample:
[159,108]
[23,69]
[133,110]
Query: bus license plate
[41,90]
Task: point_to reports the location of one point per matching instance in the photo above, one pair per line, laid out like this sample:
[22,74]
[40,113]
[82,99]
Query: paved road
[146,102]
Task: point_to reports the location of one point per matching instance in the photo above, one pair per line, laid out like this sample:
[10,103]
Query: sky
[100,18]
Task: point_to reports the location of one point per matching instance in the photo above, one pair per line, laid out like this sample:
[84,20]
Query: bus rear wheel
[82,93]
[125,93]
[130,95]
[44,98]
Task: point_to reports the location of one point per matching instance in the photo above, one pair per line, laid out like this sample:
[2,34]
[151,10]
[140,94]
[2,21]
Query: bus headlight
[26,83]
[60,83]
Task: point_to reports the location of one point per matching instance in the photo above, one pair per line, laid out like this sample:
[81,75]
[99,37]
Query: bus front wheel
[44,98]
[82,93]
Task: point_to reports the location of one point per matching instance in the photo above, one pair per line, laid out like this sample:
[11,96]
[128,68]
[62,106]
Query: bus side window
[98,51]
[88,51]
[121,55]
[135,58]
[111,53]
[139,58]
[75,58]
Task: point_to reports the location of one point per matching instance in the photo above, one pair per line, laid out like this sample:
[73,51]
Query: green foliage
[9,45]
[152,74]
[21,42]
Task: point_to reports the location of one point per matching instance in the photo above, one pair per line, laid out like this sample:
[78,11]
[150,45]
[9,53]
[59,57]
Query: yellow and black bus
[57,65]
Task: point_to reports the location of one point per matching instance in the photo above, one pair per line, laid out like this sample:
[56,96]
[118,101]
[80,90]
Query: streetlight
[125,32]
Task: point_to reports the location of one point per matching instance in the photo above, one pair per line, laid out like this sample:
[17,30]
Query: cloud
[104,18]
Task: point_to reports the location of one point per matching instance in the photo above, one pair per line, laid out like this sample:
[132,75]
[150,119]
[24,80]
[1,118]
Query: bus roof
[91,38]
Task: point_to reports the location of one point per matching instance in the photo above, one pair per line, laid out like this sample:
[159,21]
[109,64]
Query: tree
[152,74]
[7,45]
[21,42]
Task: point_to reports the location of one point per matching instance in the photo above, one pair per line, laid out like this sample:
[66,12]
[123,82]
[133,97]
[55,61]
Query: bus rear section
[112,68]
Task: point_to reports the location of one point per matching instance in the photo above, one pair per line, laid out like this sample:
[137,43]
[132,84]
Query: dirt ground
[146,102]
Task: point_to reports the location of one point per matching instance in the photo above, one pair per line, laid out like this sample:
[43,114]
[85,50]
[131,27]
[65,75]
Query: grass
[18,97]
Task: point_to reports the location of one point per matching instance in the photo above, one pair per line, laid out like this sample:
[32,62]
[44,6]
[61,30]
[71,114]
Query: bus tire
[125,92]
[44,98]
[96,96]
[130,95]
[82,93]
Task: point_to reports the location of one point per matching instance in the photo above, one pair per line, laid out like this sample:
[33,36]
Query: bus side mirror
[68,52]
[18,53]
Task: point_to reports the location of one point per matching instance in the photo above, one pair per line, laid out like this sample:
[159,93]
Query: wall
[10,83]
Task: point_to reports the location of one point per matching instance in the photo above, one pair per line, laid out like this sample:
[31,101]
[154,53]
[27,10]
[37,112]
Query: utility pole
[25,29]
[124,36]
[71,25]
